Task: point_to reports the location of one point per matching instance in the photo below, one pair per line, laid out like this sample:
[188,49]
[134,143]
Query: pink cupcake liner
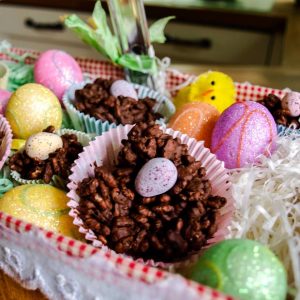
[6,142]
[104,151]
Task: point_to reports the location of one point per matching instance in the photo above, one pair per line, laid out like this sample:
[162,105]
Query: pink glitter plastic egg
[57,71]
[243,132]
[4,97]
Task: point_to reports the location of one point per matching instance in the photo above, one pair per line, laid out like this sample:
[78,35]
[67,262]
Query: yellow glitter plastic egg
[42,205]
[31,109]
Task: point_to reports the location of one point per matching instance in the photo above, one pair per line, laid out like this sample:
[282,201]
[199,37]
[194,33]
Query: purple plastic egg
[244,131]
[57,70]
[4,97]
[156,177]
[291,103]
[123,88]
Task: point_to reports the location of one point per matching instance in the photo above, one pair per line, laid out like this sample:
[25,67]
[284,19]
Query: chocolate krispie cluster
[281,116]
[167,227]
[95,100]
[59,162]
[2,135]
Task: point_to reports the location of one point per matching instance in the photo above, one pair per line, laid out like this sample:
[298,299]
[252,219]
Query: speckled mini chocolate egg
[244,269]
[4,97]
[31,109]
[123,88]
[57,70]
[244,131]
[291,104]
[40,145]
[156,177]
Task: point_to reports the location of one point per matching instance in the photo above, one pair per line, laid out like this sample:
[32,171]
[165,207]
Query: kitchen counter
[210,14]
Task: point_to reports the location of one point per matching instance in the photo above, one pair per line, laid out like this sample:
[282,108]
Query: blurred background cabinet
[206,34]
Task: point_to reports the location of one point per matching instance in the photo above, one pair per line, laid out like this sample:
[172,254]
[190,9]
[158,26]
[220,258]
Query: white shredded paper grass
[268,205]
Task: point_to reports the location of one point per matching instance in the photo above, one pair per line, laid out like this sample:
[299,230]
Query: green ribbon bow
[99,36]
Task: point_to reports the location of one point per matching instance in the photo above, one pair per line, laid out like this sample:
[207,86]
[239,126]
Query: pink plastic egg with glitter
[57,70]
[4,97]
[243,132]
[291,103]
[156,177]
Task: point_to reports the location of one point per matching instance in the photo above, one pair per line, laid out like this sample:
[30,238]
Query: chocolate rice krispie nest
[168,227]
[94,99]
[59,162]
[273,104]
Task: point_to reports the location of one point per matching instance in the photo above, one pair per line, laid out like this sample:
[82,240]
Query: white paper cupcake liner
[6,142]
[104,151]
[56,180]
[86,123]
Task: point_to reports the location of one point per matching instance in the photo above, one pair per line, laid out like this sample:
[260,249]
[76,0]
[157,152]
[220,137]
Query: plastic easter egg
[4,97]
[57,70]
[243,132]
[40,204]
[31,109]
[40,145]
[214,88]
[123,88]
[197,120]
[156,177]
[243,269]
[291,103]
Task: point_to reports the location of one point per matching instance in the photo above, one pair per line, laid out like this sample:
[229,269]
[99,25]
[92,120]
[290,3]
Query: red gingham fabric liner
[129,267]
[73,248]
[245,91]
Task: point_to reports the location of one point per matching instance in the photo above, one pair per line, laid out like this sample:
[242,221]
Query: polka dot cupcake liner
[86,123]
[104,151]
[56,181]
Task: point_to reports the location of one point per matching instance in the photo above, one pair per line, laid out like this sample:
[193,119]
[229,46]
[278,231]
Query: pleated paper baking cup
[104,151]
[6,141]
[56,180]
[86,123]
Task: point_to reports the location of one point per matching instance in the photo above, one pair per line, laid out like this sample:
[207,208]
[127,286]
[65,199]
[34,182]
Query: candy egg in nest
[40,145]
[123,88]
[291,104]
[156,177]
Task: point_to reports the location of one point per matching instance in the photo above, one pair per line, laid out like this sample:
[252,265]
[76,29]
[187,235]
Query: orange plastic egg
[197,120]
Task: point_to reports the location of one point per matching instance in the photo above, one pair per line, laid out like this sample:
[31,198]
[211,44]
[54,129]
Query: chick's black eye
[212,97]
[212,83]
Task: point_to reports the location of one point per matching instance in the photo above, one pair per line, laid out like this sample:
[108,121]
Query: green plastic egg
[242,268]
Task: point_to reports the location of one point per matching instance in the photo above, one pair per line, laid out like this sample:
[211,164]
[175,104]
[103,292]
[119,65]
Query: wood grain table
[276,77]
[11,290]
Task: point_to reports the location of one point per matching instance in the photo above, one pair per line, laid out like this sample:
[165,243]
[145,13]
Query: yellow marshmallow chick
[214,88]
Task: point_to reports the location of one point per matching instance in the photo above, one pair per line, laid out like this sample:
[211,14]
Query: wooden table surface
[279,77]
[10,290]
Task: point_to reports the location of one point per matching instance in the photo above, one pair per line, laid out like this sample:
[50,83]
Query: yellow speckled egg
[31,109]
[42,205]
